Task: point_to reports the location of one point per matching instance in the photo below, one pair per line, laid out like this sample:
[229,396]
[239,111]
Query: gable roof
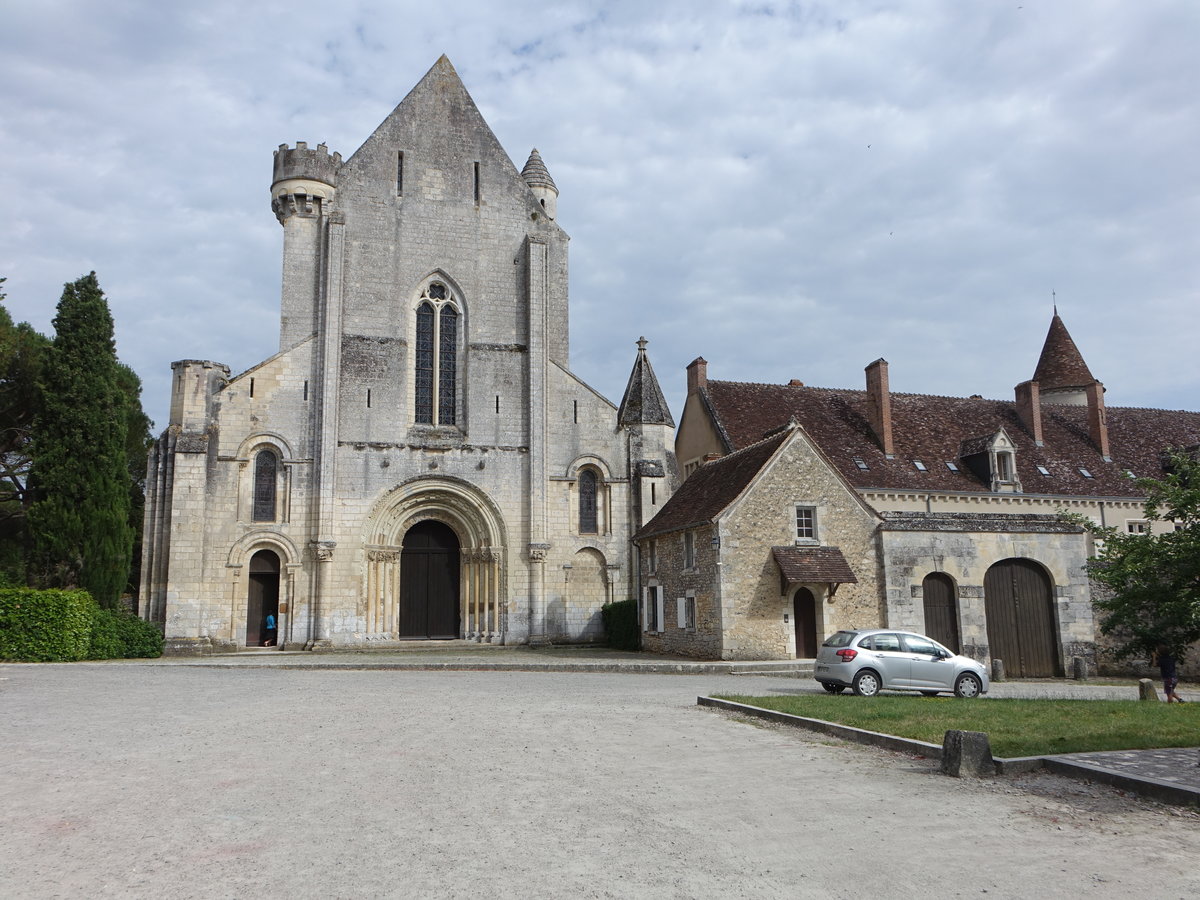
[932,429]
[709,490]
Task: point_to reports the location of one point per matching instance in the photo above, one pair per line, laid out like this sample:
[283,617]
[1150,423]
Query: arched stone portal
[453,512]
[262,599]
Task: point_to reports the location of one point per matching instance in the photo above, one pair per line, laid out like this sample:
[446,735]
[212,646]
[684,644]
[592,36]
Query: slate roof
[813,565]
[643,403]
[711,488]
[932,429]
[1061,364]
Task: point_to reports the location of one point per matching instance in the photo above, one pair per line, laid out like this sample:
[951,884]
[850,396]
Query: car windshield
[840,639]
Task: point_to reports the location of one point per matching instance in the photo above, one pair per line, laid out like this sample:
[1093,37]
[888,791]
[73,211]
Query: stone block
[967,754]
[1146,690]
[997,670]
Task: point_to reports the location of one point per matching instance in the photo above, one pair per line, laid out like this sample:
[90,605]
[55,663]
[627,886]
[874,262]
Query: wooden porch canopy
[812,565]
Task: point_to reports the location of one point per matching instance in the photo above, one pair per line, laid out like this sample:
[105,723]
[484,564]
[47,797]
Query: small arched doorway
[804,610]
[429,576]
[1019,604]
[263,598]
[941,612]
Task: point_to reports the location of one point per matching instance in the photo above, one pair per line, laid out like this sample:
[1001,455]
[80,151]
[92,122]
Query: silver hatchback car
[876,659]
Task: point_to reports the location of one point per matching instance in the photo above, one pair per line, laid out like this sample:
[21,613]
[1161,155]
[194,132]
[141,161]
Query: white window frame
[815,537]
[1137,526]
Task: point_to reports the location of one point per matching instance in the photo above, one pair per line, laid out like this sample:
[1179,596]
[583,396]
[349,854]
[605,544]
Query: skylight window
[920,465]
[1085,473]
[951,466]
[860,462]
[1043,470]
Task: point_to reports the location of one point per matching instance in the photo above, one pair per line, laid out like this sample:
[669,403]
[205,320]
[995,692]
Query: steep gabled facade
[417,461]
[966,492]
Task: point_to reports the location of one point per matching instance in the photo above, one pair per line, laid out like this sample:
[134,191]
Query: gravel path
[137,781]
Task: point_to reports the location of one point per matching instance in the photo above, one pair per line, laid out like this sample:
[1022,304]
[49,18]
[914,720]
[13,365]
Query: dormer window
[1004,467]
[993,460]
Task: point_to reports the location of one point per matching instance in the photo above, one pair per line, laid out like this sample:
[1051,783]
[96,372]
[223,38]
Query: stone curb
[1155,788]
[633,667]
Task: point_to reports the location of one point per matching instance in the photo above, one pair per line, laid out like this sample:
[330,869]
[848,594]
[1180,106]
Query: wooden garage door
[941,610]
[1019,604]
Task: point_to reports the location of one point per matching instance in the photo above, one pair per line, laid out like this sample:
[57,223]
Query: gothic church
[417,462]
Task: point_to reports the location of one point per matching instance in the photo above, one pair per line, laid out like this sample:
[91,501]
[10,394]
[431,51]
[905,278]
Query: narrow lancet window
[424,380]
[587,502]
[447,364]
[266,466]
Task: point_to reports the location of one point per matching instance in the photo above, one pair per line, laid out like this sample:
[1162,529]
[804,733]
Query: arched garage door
[1019,604]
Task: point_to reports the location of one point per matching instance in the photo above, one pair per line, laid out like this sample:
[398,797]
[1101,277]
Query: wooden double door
[429,583]
[1021,625]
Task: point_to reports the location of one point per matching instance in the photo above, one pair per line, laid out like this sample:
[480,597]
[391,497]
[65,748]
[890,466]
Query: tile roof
[1061,364]
[711,488]
[1007,523]
[931,429]
[813,565]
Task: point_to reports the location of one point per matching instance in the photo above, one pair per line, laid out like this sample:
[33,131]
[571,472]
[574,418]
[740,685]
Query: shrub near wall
[118,634]
[621,625]
[45,626]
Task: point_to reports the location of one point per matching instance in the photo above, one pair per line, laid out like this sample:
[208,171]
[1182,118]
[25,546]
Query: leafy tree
[1154,579]
[137,443]
[79,521]
[22,350]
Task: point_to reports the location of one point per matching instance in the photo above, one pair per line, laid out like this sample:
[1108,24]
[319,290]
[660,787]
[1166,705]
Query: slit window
[400,174]
[477,185]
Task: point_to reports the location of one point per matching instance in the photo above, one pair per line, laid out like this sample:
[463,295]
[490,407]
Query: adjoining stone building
[417,461]
[869,509]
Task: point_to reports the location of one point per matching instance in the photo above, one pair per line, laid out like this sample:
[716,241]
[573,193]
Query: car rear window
[840,639]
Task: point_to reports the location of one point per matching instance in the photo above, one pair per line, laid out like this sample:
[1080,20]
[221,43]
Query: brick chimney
[697,375]
[879,404]
[1097,422]
[1029,409]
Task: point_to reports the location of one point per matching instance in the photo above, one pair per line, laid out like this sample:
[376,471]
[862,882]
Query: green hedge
[621,625]
[45,626]
[63,626]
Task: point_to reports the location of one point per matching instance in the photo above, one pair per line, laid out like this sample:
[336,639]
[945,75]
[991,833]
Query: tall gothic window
[587,502]
[266,466]
[436,357]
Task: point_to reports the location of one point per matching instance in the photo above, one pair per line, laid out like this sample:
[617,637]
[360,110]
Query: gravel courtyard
[150,781]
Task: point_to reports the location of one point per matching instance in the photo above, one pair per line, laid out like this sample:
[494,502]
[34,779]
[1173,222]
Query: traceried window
[266,468]
[588,520]
[436,356]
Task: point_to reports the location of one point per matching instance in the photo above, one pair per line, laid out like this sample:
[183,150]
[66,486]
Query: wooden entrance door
[804,609]
[1019,604]
[429,569]
[941,611]
[263,597]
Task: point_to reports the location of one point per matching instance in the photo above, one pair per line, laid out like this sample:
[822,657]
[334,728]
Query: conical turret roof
[1061,365]
[536,174]
[643,403]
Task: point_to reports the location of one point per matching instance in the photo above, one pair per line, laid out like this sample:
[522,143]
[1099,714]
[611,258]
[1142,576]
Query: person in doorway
[1165,660]
[270,631]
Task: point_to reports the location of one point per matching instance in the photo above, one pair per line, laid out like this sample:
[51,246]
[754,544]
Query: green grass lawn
[1014,727]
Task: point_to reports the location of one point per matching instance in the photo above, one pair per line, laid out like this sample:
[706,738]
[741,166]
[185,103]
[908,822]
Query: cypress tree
[79,521]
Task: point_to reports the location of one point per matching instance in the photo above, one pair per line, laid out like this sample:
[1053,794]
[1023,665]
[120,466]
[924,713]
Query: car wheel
[930,693]
[968,686]
[832,688]
[866,683]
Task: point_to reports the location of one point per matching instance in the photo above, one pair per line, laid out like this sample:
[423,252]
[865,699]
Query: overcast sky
[791,190]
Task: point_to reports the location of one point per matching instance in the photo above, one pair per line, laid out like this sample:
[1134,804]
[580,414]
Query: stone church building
[417,462]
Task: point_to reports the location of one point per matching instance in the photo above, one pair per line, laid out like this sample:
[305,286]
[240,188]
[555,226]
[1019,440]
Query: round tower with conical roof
[302,190]
[537,176]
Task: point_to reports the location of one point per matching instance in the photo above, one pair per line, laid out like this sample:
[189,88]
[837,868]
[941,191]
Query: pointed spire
[536,174]
[643,403]
[1061,365]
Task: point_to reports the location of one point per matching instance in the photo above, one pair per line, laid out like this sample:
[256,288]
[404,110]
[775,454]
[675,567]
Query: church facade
[417,462]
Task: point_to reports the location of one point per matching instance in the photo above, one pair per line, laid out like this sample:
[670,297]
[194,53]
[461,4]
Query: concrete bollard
[1146,689]
[967,754]
[1079,668]
[997,670]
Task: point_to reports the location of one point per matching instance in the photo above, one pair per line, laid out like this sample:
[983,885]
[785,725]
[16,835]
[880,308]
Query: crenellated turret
[537,176]
[302,191]
[304,180]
